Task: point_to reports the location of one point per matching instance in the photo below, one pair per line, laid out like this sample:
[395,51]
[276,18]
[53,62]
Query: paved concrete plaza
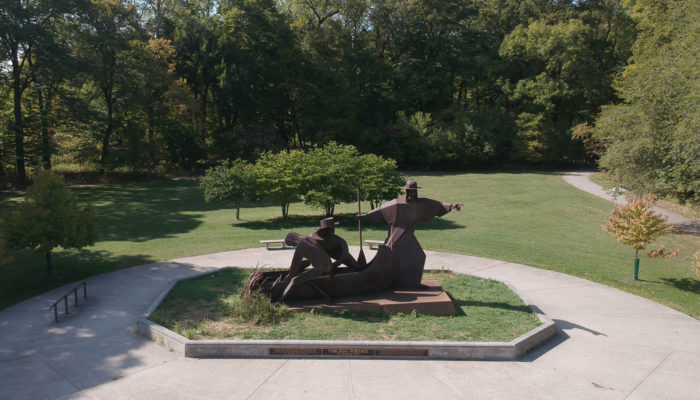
[609,345]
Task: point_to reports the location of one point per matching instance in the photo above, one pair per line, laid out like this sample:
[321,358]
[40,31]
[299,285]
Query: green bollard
[636,268]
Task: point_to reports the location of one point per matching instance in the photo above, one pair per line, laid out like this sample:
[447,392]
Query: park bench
[373,244]
[65,299]
[268,243]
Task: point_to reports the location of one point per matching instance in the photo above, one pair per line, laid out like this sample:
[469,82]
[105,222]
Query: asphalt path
[582,181]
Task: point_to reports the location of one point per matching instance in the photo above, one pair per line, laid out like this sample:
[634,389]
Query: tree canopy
[186,85]
[654,133]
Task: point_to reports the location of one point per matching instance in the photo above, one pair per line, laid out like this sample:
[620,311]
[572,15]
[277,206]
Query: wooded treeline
[184,84]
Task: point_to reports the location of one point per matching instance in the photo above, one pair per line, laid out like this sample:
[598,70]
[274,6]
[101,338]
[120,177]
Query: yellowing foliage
[636,224]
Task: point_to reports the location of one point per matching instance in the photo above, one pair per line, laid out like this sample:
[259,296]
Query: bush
[255,308]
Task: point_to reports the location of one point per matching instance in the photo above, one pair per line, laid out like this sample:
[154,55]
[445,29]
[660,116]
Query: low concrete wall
[345,348]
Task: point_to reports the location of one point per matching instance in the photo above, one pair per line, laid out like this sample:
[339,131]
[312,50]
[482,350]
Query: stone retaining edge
[500,351]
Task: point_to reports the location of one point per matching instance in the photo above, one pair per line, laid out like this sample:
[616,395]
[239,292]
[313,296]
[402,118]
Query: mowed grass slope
[529,218]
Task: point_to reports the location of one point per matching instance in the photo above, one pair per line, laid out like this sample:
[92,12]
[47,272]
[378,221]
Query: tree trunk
[19,128]
[151,139]
[110,125]
[238,211]
[48,263]
[45,137]
[203,121]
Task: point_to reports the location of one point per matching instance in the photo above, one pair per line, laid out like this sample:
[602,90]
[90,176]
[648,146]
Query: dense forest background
[181,85]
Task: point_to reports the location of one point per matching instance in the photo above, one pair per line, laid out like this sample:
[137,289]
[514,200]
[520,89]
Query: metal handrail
[65,299]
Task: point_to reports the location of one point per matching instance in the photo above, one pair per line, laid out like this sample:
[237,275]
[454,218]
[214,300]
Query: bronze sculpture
[398,263]
[403,215]
[317,250]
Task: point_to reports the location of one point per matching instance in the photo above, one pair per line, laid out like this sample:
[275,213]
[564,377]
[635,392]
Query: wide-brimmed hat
[411,184]
[329,223]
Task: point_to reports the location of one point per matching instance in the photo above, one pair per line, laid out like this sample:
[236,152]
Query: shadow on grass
[502,306]
[362,316]
[26,277]
[686,284]
[347,220]
[143,211]
[501,169]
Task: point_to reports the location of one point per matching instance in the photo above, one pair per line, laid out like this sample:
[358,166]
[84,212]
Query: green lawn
[200,308]
[529,218]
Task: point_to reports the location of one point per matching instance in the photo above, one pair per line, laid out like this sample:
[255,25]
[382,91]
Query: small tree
[636,224]
[229,183]
[279,177]
[332,175]
[379,179]
[48,218]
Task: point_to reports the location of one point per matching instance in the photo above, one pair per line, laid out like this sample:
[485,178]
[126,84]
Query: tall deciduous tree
[108,27]
[21,26]
[654,133]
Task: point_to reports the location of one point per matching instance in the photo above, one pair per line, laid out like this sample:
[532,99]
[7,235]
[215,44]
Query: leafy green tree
[636,224]
[280,177]
[233,182]
[49,217]
[108,27]
[653,134]
[194,36]
[550,95]
[332,174]
[379,179]
[24,26]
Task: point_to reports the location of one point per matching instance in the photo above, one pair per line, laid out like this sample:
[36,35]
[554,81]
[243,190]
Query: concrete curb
[500,351]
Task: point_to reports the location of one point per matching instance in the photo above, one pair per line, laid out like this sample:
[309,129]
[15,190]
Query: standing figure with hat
[403,215]
[317,250]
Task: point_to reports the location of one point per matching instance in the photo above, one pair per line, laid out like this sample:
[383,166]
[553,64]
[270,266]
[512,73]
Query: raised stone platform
[344,348]
[429,299]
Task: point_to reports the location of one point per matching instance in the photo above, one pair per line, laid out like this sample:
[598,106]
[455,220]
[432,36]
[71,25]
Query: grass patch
[487,311]
[531,218]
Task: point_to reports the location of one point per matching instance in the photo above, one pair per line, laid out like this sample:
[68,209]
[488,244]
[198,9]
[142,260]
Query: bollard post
[85,289]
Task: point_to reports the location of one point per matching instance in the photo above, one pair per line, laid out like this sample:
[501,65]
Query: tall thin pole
[361,257]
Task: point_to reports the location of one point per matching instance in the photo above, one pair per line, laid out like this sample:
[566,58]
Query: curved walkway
[609,345]
[582,181]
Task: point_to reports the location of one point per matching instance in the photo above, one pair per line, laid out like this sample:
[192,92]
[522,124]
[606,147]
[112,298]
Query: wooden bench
[267,244]
[65,299]
[374,244]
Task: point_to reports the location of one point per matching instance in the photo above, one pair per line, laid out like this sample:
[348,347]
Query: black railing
[65,299]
